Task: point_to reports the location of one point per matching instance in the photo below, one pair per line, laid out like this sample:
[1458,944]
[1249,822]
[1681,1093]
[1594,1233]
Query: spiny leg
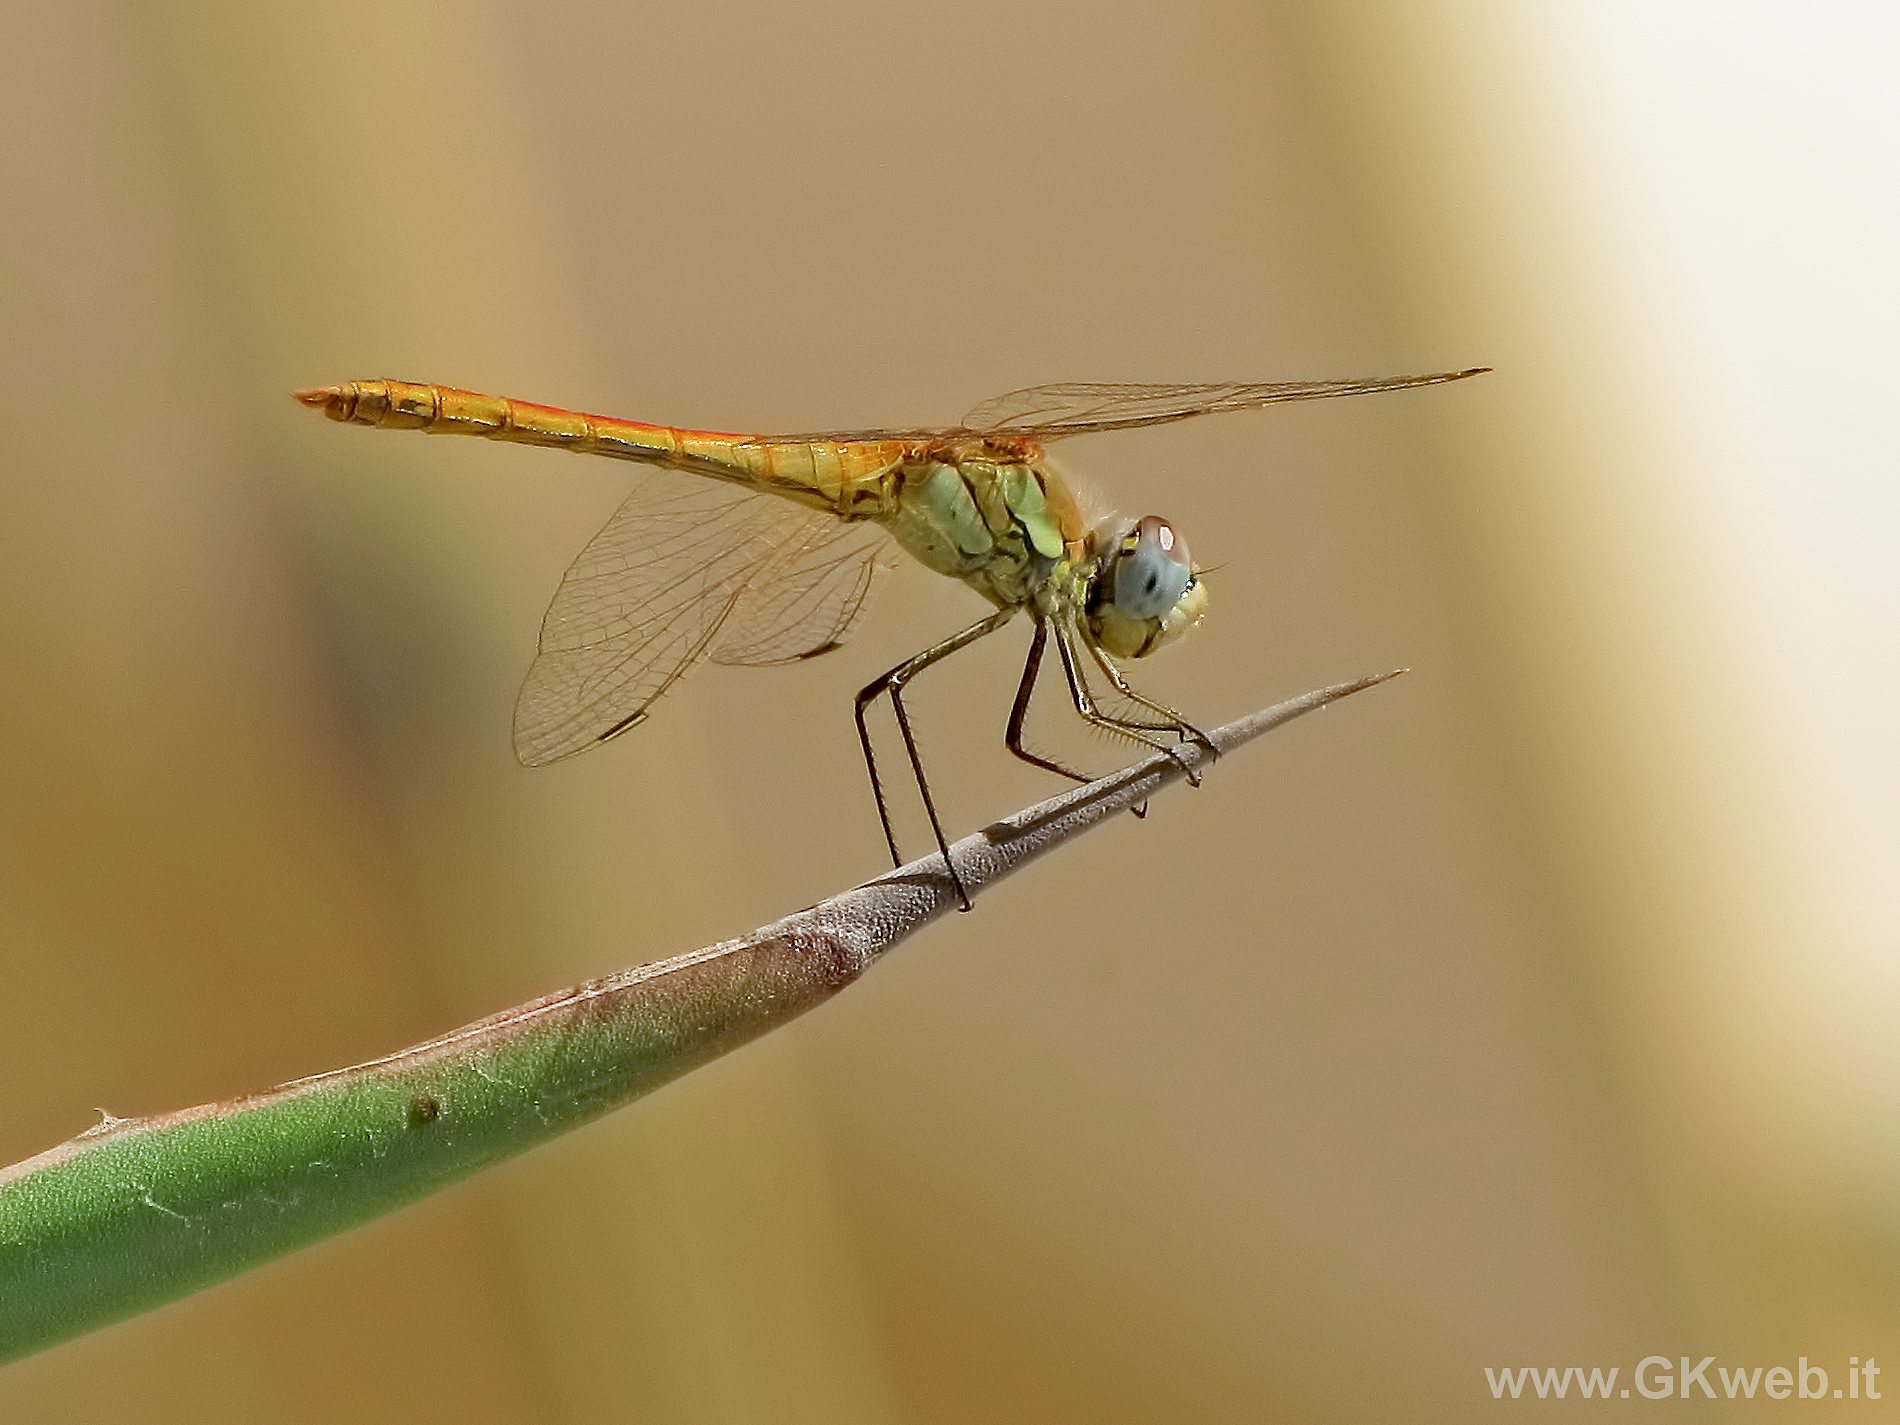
[1176,724]
[1019,714]
[1184,731]
[1013,736]
[893,684]
[1084,702]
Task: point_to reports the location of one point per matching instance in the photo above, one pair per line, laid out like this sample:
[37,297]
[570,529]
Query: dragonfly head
[1145,591]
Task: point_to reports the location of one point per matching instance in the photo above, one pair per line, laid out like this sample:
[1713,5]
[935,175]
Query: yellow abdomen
[853,479]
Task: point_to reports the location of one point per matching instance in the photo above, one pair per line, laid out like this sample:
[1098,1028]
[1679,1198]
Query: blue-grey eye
[1151,570]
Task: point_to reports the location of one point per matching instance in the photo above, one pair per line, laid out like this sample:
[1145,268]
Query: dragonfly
[771,557]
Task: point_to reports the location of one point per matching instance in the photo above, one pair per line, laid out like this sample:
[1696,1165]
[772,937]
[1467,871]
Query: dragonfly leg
[892,684]
[1084,702]
[1176,724]
[1019,713]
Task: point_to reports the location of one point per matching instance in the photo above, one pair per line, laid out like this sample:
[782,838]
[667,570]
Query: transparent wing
[808,599]
[681,569]
[1080,407]
[1077,408]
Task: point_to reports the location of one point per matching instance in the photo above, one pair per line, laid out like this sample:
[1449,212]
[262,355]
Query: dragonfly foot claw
[1187,768]
[1188,732]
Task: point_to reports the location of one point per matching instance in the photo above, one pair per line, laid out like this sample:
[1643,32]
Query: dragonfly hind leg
[892,684]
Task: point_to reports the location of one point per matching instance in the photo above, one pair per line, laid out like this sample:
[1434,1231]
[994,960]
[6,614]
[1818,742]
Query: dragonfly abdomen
[848,478]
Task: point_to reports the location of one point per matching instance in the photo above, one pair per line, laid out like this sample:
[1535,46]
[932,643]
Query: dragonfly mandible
[771,559]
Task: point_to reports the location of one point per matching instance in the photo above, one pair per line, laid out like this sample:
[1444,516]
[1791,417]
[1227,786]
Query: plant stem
[136,1212]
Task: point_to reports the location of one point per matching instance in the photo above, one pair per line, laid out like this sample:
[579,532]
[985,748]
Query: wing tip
[530,755]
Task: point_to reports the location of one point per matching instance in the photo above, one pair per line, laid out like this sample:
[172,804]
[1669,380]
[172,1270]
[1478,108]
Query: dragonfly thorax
[1145,591]
[999,525]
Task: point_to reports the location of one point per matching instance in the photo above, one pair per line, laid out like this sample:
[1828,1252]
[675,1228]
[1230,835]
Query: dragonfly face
[1145,591]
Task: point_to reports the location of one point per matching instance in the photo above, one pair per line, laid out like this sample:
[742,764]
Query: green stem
[136,1212]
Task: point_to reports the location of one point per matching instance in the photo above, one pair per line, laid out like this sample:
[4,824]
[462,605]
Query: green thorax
[1005,527]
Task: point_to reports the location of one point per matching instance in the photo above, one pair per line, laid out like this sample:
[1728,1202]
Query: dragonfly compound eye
[1147,591]
[1151,570]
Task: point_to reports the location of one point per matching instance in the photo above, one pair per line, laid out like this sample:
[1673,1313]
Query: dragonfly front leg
[892,683]
[1176,724]
[1084,702]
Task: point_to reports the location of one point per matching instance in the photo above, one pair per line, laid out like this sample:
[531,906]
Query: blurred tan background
[1536,1010]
